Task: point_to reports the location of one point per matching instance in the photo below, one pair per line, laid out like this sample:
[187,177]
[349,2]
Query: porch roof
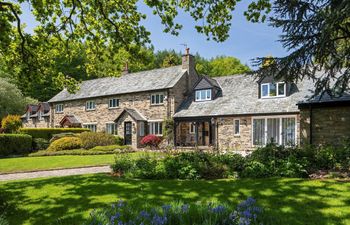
[136,115]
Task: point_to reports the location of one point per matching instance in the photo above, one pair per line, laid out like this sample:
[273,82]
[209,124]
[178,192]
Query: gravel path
[55,173]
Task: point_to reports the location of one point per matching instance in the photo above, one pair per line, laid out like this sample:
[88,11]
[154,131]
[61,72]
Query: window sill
[157,104]
[272,97]
[237,135]
[87,110]
[59,112]
[114,107]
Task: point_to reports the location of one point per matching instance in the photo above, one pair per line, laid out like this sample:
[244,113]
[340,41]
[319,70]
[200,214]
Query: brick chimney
[188,60]
[126,69]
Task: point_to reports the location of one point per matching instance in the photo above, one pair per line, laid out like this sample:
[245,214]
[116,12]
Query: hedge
[47,133]
[15,144]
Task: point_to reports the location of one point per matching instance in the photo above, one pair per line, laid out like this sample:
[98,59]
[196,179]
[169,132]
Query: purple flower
[218,209]
[159,220]
[120,203]
[184,208]
[144,214]
[166,208]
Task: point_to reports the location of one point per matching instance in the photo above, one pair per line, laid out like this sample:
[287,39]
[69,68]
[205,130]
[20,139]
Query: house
[37,115]
[132,105]
[228,113]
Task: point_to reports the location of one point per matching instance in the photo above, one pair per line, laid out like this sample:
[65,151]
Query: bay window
[279,130]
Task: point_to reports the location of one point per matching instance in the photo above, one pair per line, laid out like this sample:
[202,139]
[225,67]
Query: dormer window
[270,90]
[203,95]
[40,115]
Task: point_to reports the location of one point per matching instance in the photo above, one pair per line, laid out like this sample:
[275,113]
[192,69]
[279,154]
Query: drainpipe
[310,108]
[217,136]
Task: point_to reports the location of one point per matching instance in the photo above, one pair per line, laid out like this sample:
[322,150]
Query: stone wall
[35,123]
[330,125]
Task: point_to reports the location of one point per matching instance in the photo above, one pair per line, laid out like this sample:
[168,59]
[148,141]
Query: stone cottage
[37,115]
[229,113]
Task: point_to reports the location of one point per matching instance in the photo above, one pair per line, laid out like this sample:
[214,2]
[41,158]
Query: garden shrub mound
[40,144]
[47,133]
[11,123]
[247,212]
[92,139]
[65,143]
[61,135]
[151,141]
[180,166]
[15,144]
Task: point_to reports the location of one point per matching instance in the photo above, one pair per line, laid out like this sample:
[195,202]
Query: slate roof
[71,119]
[136,115]
[240,96]
[326,98]
[133,82]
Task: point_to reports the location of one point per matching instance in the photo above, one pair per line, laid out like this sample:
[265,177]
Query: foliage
[61,135]
[93,139]
[255,169]
[40,144]
[212,213]
[12,100]
[119,140]
[317,36]
[47,133]
[226,65]
[168,129]
[4,208]
[11,123]
[123,164]
[15,144]
[66,143]
[151,140]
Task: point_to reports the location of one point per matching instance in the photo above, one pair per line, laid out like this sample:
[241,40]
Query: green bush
[47,133]
[15,144]
[123,165]
[256,170]
[11,123]
[65,143]
[61,135]
[119,140]
[110,148]
[40,144]
[92,139]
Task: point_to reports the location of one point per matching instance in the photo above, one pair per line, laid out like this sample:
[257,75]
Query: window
[113,103]
[203,95]
[142,129]
[192,128]
[155,128]
[40,115]
[92,127]
[157,99]
[28,115]
[111,128]
[269,90]
[59,108]
[90,105]
[236,127]
[280,130]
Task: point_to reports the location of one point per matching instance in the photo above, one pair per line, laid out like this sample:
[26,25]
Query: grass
[21,164]
[286,201]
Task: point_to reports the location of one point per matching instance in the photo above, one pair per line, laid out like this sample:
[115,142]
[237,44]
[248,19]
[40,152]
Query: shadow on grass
[286,201]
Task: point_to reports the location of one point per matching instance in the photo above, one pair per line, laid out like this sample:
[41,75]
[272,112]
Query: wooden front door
[127,133]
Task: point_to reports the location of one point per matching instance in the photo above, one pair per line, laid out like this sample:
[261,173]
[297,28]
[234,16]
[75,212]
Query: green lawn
[8,165]
[287,201]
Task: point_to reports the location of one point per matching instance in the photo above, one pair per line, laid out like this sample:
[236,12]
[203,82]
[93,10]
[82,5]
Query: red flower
[151,140]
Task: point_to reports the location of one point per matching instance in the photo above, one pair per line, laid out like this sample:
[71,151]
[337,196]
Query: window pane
[157,99]
[208,94]
[259,131]
[236,127]
[272,89]
[202,95]
[265,90]
[281,88]
[160,128]
[288,131]
[161,98]
[273,130]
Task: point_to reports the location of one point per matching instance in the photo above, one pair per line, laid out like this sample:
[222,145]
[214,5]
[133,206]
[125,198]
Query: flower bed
[247,212]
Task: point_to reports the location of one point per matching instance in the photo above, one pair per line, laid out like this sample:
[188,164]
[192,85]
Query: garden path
[55,173]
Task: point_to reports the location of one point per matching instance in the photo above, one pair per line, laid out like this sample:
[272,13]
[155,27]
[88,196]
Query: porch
[195,132]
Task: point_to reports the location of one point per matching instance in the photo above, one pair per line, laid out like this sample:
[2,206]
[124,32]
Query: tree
[11,123]
[12,101]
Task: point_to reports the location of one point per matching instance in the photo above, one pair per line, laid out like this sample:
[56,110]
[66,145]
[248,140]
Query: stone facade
[330,125]
[36,123]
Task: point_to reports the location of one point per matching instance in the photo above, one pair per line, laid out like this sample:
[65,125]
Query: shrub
[11,123]
[47,133]
[246,212]
[151,140]
[15,144]
[40,143]
[256,170]
[65,143]
[110,148]
[123,165]
[119,140]
[61,135]
[92,139]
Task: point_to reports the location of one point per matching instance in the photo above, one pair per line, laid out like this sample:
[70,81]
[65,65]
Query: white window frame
[152,128]
[268,90]
[111,101]
[28,116]
[115,128]
[207,95]
[59,108]
[280,128]
[90,105]
[40,115]
[234,127]
[90,125]
[160,99]
[142,129]
[192,128]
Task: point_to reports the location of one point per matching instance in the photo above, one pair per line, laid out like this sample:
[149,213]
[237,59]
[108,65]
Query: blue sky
[247,40]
